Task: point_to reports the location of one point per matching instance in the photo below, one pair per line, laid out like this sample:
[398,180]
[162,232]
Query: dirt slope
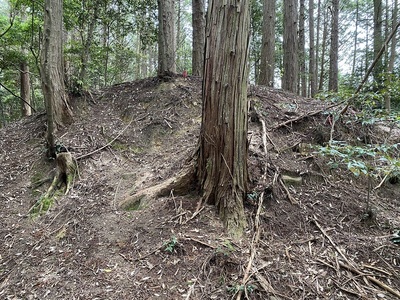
[313,242]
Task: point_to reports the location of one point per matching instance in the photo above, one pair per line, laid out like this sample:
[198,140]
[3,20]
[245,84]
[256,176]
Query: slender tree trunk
[378,41]
[334,50]
[267,65]
[323,52]
[392,56]
[353,71]
[52,71]
[166,38]
[222,162]
[312,77]
[25,89]
[85,55]
[199,36]
[317,55]
[302,89]
[290,46]
[367,50]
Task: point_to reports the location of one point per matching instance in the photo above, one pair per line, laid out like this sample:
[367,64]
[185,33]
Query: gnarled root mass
[65,173]
[66,170]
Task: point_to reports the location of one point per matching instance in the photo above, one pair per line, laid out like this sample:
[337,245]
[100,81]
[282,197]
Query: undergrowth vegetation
[378,158]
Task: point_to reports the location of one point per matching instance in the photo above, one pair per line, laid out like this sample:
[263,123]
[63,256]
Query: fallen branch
[332,243]
[290,197]
[372,279]
[254,242]
[106,145]
[307,115]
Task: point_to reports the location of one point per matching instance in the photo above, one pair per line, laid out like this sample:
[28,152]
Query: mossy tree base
[63,179]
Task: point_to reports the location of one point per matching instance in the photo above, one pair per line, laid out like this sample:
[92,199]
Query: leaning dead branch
[307,115]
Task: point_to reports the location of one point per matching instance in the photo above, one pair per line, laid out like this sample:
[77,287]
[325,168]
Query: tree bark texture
[199,36]
[334,50]
[52,71]
[25,89]
[166,38]
[290,46]
[323,52]
[312,70]
[302,90]
[392,56]
[378,42]
[222,162]
[267,65]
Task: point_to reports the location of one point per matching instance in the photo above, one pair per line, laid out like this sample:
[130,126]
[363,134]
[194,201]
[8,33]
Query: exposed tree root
[66,169]
[181,184]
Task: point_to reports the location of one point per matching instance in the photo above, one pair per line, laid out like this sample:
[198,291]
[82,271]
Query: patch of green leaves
[240,288]
[372,160]
[171,244]
[226,248]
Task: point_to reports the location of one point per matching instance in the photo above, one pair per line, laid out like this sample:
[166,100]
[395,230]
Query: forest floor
[314,236]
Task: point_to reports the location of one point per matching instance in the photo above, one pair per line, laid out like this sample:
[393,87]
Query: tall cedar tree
[52,72]
[166,38]
[267,64]
[334,50]
[199,32]
[290,46]
[378,42]
[312,70]
[222,161]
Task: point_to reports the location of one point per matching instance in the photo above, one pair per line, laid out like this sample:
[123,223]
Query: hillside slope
[314,240]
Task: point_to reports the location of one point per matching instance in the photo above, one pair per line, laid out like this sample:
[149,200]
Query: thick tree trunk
[302,90]
[290,46]
[222,162]
[199,36]
[52,72]
[312,77]
[166,38]
[334,50]
[267,65]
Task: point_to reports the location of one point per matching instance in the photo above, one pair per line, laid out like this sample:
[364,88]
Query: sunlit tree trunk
[323,52]
[52,72]
[267,65]
[290,46]
[222,161]
[25,89]
[166,38]
[353,69]
[199,27]
[378,42]
[334,49]
[392,55]
[87,41]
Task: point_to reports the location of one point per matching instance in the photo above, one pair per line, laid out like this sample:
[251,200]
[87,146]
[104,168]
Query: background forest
[329,48]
